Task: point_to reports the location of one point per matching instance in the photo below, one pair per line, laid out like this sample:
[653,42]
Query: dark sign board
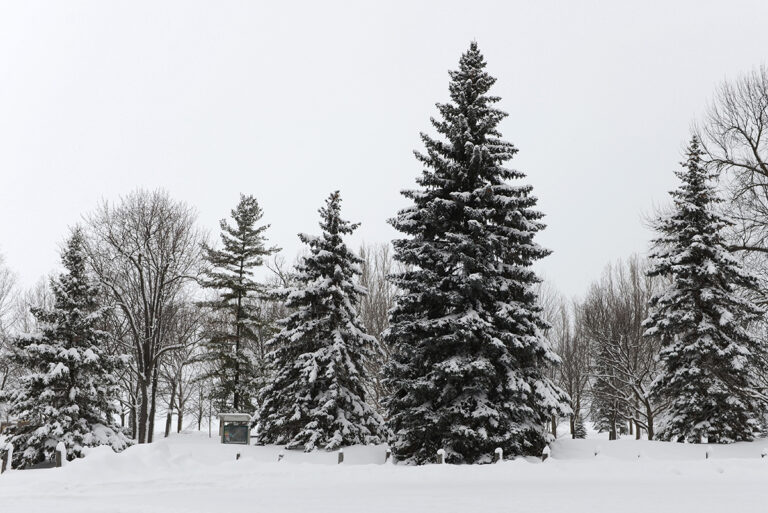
[235,433]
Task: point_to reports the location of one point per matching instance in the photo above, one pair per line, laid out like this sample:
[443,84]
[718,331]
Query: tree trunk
[132,420]
[169,414]
[134,412]
[237,348]
[200,410]
[649,421]
[554,425]
[152,407]
[181,401]
[143,413]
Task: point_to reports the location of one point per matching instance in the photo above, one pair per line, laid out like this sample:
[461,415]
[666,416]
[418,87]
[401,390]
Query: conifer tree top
[470,125]
[692,234]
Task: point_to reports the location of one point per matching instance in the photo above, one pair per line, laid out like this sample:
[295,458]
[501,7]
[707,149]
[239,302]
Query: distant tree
[579,431]
[376,267]
[573,374]
[623,361]
[609,409]
[68,392]
[708,358]
[230,272]
[7,323]
[316,398]
[469,359]
[555,313]
[178,374]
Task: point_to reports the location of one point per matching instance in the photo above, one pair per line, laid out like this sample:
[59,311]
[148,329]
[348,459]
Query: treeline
[445,339]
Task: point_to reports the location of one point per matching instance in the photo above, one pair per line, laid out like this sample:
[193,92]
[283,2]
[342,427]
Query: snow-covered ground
[190,473]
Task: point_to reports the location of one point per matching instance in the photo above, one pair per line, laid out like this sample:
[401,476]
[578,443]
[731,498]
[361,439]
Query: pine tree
[579,431]
[236,325]
[469,357]
[70,389]
[316,396]
[707,356]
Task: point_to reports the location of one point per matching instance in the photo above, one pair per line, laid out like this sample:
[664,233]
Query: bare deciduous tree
[145,250]
[7,321]
[573,373]
[375,269]
[575,367]
[611,318]
[176,369]
[735,137]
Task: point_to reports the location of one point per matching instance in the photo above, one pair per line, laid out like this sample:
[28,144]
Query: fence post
[341,456]
[545,453]
[61,451]
[498,455]
[441,456]
[387,455]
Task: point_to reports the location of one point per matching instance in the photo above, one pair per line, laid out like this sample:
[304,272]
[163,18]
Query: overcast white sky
[288,101]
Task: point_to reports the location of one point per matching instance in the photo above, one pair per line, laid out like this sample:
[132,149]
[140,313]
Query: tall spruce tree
[316,396]
[235,326]
[469,356]
[707,356]
[70,387]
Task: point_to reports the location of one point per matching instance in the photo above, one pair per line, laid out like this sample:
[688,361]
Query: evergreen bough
[469,357]
[316,397]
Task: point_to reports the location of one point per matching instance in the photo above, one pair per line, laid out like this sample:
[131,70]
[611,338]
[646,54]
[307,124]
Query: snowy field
[192,473]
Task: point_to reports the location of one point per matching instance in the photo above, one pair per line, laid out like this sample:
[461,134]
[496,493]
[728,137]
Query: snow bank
[192,473]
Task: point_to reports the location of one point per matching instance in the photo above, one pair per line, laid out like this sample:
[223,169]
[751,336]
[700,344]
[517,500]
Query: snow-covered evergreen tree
[707,356]
[579,430]
[70,389]
[235,360]
[316,397]
[469,357]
